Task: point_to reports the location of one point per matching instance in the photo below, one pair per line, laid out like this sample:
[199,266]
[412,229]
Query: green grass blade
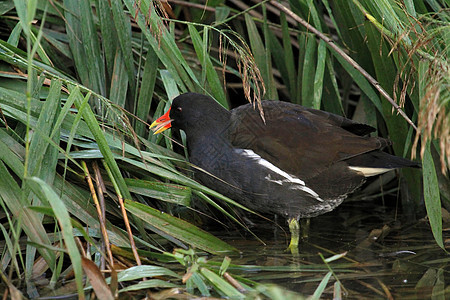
[144,271]
[119,81]
[146,90]
[108,34]
[439,287]
[17,57]
[169,85]
[280,60]
[74,199]
[103,145]
[288,55]
[222,13]
[323,284]
[91,44]
[123,31]
[178,177]
[26,11]
[39,145]
[50,159]
[10,157]
[221,284]
[85,45]
[225,264]
[31,223]
[361,81]
[431,196]
[207,66]
[163,43]
[314,15]
[302,41]
[272,92]
[309,66]
[37,47]
[14,37]
[386,75]
[45,192]
[11,248]
[178,228]
[318,77]
[197,280]
[168,192]
[260,53]
[331,97]
[6,6]
[73,28]
[150,284]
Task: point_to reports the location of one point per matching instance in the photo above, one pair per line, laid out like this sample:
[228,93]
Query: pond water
[388,255]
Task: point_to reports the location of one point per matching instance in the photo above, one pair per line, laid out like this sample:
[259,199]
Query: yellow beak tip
[160,130]
[152,125]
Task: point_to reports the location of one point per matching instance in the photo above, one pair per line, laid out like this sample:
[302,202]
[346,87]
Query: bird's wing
[303,142]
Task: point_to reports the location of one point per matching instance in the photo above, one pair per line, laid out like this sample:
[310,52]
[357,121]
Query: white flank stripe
[369,171]
[300,184]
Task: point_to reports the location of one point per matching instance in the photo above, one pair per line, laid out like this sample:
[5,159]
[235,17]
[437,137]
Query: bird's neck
[215,124]
[210,132]
[217,134]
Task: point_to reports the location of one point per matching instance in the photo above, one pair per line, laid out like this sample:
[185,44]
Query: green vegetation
[81,176]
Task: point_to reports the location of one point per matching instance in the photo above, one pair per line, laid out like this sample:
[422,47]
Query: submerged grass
[87,193]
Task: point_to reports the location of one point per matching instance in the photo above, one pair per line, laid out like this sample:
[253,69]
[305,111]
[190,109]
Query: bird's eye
[179,109]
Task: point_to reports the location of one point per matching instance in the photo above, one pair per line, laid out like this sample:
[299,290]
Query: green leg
[294,228]
[305,228]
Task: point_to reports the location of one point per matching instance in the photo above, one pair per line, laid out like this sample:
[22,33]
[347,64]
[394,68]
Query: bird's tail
[377,162]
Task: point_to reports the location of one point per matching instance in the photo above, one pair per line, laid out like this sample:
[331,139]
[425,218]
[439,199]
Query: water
[388,255]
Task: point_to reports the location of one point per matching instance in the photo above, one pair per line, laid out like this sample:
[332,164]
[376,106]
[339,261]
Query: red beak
[162,123]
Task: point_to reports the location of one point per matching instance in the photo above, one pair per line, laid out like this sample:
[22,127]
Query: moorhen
[299,163]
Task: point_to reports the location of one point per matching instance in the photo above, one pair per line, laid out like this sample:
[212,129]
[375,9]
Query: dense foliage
[81,175]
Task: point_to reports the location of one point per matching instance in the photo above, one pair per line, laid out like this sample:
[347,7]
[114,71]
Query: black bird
[299,163]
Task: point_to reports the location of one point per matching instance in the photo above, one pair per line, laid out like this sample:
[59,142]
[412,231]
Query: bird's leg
[294,228]
[275,230]
[305,228]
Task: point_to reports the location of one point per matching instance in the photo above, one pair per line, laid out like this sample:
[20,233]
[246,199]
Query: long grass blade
[431,196]
[221,284]
[119,81]
[202,52]
[178,228]
[31,223]
[44,191]
[123,31]
[146,90]
[319,74]
[94,127]
[309,66]
[259,51]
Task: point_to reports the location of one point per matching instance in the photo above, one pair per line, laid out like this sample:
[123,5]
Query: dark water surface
[388,255]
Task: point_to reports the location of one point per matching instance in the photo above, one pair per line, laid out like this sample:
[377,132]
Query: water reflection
[388,255]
